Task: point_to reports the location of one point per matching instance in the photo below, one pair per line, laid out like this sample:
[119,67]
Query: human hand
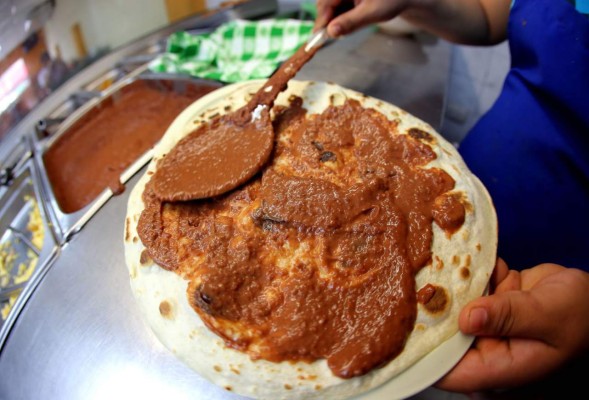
[534,322]
[360,14]
[460,21]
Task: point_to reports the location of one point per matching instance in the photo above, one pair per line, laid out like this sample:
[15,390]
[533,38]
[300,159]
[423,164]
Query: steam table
[81,335]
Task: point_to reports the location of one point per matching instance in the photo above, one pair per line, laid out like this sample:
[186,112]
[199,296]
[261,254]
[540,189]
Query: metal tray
[13,161]
[67,224]
[78,103]
[18,246]
[49,125]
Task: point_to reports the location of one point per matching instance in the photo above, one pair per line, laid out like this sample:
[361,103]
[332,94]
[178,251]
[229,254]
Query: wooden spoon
[229,150]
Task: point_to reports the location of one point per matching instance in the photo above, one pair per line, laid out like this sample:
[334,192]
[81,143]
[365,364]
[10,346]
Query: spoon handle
[279,80]
[317,40]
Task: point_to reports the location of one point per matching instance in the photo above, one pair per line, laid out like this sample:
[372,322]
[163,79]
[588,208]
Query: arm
[534,323]
[461,21]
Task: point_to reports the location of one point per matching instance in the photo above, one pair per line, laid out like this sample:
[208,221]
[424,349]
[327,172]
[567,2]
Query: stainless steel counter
[81,336]
[408,71]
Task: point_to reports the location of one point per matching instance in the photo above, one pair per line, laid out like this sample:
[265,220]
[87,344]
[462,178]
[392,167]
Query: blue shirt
[531,150]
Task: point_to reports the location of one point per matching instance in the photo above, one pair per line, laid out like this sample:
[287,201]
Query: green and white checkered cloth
[237,51]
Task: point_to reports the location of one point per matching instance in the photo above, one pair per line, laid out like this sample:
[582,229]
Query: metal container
[12,162]
[50,125]
[26,244]
[68,223]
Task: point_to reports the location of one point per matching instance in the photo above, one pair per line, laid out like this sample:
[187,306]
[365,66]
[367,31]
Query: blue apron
[531,150]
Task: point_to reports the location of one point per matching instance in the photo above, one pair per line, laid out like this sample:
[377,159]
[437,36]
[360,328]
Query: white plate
[423,373]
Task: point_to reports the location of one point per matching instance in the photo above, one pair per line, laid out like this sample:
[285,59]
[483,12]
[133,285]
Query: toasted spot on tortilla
[287,386]
[144,258]
[166,310]
[135,239]
[217,368]
[478,247]
[228,388]
[468,206]
[464,273]
[127,227]
[455,260]
[439,263]
[467,261]
[418,134]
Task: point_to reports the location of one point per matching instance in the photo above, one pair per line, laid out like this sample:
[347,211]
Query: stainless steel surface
[16,159]
[45,127]
[15,208]
[408,71]
[80,336]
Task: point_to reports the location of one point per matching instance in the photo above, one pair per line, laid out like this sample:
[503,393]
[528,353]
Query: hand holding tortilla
[518,340]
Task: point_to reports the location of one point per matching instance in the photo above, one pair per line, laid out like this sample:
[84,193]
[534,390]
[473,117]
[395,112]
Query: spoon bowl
[229,150]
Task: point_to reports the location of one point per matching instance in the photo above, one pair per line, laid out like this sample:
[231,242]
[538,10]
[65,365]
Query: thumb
[513,313]
[363,14]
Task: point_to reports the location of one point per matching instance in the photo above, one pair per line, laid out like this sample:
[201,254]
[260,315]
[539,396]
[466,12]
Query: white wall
[104,23]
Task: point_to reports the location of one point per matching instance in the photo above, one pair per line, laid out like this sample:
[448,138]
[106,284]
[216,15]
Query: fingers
[500,272]
[523,304]
[532,276]
[530,326]
[365,12]
[510,313]
[504,279]
[466,376]
[500,363]
[325,12]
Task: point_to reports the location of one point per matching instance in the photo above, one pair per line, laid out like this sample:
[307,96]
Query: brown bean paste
[93,153]
[316,257]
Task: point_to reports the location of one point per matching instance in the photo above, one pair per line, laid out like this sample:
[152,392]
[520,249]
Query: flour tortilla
[461,263]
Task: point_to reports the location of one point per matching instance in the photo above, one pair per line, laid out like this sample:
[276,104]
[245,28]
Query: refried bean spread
[316,257]
[91,155]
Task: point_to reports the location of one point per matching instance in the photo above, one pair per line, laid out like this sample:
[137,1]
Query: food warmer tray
[16,205]
[67,224]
